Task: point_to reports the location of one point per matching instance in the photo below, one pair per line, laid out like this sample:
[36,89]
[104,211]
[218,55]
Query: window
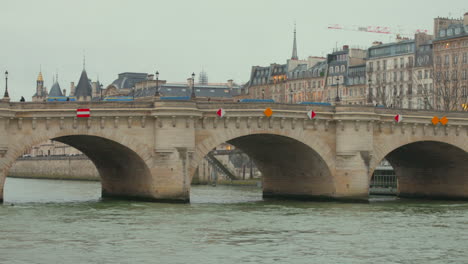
[330,69]
[420,89]
[464,73]
[395,76]
[447,60]
[426,74]
[337,69]
[401,76]
[371,65]
[395,63]
[465,57]
[343,68]
[438,60]
[402,62]
[384,65]
[378,65]
[454,75]
[419,75]
[410,89]
[455,59]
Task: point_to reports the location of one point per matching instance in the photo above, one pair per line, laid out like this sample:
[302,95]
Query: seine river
[46,221]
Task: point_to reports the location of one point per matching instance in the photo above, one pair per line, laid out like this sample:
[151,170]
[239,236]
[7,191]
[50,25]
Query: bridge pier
[351,178]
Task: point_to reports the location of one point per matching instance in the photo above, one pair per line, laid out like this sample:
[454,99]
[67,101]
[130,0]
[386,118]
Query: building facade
[451,64]
[337,79]
[390,73]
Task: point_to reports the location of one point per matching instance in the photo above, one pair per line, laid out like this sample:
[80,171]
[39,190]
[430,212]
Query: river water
[45,221]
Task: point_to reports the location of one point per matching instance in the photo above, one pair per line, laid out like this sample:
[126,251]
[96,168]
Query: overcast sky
[225,38]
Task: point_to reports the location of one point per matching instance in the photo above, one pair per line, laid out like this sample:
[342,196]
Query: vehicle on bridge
[175,98]
[247,100]
[61,98]
[315,103]
[118,99]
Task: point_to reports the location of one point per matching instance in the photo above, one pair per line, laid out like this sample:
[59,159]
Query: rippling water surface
[46,221]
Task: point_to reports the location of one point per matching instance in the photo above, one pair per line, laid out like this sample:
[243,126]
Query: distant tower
[40,85]
[41,92]
[294,52]
[203,78]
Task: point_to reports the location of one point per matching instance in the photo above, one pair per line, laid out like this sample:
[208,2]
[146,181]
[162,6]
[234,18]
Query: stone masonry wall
[67,168]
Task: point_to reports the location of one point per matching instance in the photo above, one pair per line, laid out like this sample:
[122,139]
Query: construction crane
[376,29]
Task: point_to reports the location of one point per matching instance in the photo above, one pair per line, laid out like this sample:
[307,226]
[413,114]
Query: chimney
[64,92]
[465,19]
[376,43]
[72,88]
[230,83]
[345,47]
[93,89]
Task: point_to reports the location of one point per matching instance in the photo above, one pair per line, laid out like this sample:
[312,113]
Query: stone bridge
[151,150]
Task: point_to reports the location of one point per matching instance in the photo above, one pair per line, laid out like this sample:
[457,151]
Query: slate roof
[211,91]
[55,90]
[84,87]
[128,80]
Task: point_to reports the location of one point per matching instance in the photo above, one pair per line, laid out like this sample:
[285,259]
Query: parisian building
[337,79]
[390,72]
[450,63]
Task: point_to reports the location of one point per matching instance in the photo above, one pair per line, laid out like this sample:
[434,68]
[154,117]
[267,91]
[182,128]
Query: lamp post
[263,93]
[337,98]
[290,96]
[369,97]
[6,95]
[100,89]
[192,96]
[156,93]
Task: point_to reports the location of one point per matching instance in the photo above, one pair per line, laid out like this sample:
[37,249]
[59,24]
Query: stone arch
[311,160]
[384,147]
[432,168]
[122,165]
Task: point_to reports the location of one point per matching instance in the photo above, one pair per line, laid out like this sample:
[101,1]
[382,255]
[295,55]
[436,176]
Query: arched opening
[288,167]
[122,172]
[383,180]
[430,169]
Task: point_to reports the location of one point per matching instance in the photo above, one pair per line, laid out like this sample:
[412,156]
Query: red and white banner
[311,114]
[220,112]
[83,112]
[398,118]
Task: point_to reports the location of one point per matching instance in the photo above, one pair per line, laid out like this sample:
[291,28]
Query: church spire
[294,52]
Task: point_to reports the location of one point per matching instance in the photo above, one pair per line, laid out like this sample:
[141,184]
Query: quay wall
[55,167]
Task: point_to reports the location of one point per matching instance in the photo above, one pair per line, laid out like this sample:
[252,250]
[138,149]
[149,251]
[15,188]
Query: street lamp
[6,95]
[369,98]
[263,93]
[290,96]
[156,93]
[100,89]
[337,98]
[192,96]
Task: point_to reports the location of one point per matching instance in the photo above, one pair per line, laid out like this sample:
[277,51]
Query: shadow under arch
[123,172]
[290,168]
[430,169]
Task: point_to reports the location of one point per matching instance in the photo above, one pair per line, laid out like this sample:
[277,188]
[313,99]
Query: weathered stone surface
[151,151]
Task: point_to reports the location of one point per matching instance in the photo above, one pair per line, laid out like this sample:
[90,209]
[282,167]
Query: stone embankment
[55,167]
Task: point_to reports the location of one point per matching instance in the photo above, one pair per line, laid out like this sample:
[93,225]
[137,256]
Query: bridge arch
[431,168]
[122,163]
[292,165]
